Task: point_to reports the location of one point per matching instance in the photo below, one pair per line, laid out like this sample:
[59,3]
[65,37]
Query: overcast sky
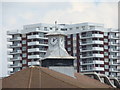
[13,15]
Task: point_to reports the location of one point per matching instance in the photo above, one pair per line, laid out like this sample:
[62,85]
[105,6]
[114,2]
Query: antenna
[55,25]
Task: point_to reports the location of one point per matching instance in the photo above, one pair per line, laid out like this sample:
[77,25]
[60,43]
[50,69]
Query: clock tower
[56,57]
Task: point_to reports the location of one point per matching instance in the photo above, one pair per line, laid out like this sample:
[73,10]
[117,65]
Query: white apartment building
[95,47]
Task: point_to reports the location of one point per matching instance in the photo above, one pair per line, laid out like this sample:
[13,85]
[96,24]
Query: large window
[24,55]
[24,62]
[23,48]
[24,42]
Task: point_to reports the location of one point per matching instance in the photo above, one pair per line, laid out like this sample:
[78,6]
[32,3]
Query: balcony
[113,57]
[33,63]
[34,56]
[14,45]
[113,37]
[92,35]
[97,35]
[92,42]
[113,50]
[37,50]
[92,69]
[92,62]
[113,70]
[94,55]
[16,65]
[91,49]
[15,52]
[113,43]
[37,43]
[36,36]
[14,39]
[16,59]
[113,63]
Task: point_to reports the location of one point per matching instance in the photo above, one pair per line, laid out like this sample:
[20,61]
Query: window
[105,33]
[106,67]
[24,62]
[23,48]
[50,28]
[107,73]
[106,53]
[24,42]
[23,35]
[68,36]
[77,27]
[69,49]
[45,28]
[24,55]
[106,60]
[69,42]
[106,40]
[105,47]
[70,28]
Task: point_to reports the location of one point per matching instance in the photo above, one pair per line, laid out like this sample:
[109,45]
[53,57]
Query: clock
[53,40]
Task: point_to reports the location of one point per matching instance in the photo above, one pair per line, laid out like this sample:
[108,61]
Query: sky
[15,14]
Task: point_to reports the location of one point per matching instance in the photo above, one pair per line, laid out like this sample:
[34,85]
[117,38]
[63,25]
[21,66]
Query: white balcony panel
[13,46]
[94,55]
[33,56]
[111,56]
[97,35]
[14,39]
[98,62]
[36,50]
[16,59]
[113,50]
[37,43]
[113,37]
[98,42]
[93,69]
[113,70]
[16,65]
[90,49]
[94,62]
[33,63]
[36,36]
[15,52]
[111,43]
[92,42]
[99,69]
[112,63]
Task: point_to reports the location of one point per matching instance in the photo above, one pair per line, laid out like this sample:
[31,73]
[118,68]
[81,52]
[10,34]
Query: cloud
[106,13]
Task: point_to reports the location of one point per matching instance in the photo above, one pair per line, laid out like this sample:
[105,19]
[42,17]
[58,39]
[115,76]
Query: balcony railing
[37,43]
[36,36]
[93,48]
[33,63]
[35,56]
[92,69]
[16,65]
[92,55]
[113,70]
[92,62]
[14,39]
[15,52]
[92,42]
[37,50]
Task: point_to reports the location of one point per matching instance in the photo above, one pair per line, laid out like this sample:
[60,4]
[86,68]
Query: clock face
[53,40]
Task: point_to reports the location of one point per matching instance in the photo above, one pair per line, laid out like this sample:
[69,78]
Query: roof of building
[39,77]
[59,53]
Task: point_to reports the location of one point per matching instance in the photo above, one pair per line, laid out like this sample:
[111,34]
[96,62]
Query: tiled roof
[39,77]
